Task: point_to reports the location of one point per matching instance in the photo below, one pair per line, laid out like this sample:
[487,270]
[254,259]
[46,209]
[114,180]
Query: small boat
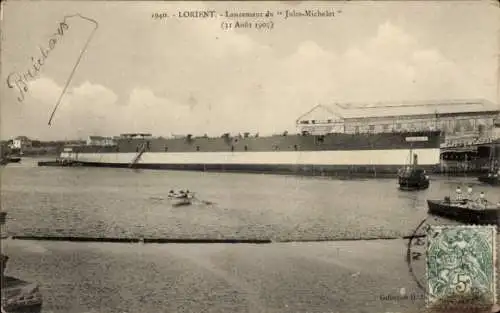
[413,177]
[181,198]
[466,211]
[9,159]
[492,178]
[13,159]
[18,295]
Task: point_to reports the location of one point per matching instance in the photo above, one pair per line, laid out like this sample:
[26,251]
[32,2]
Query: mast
[411,155]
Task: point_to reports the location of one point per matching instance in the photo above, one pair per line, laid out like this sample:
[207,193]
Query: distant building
[100,141]
[461,121]
[21,143]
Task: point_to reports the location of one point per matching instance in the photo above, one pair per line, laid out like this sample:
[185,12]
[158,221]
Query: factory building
[463,122]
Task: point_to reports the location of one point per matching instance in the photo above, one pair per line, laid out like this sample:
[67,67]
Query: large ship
[304,153]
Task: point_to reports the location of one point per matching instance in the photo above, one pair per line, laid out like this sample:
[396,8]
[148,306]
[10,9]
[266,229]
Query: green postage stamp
[461,266]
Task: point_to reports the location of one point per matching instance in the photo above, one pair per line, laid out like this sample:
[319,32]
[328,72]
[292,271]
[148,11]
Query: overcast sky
[180,76]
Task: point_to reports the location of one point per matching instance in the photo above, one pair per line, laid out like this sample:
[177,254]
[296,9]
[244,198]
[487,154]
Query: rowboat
[20,296]
[17,295]
[180,199]
[466,211]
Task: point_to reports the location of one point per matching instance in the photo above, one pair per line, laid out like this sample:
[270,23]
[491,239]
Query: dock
[60,163]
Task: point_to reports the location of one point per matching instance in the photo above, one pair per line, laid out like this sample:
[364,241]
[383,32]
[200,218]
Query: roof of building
[402,108]
[21,138]
[136,134]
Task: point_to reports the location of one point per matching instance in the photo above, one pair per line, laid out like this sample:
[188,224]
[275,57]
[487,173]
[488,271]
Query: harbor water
[127,203]
[341,276]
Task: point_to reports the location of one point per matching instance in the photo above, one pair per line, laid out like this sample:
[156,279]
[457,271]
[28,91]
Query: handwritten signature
[20,80]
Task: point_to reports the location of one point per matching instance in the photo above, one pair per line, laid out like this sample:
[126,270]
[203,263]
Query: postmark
[415,254]
[460,266]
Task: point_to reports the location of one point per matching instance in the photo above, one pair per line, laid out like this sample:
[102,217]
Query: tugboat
[18,296]
[412,177]
[468,211]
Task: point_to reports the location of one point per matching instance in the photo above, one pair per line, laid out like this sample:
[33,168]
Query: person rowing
[180,194]
[184,194]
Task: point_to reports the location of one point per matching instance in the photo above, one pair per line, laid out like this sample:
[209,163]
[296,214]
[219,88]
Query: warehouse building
[463,122]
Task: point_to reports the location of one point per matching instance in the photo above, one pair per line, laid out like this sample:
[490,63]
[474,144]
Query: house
[21,142]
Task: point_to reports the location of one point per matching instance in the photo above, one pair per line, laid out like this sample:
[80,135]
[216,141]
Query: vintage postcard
[275,157]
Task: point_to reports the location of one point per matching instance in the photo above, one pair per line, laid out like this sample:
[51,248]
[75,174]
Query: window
[398,125]
[356,129]
[385,127]
[166,148]
[197,148]
[246,148]
[371,128]
[468,125]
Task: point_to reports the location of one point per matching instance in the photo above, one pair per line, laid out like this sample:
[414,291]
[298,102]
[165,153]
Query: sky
[190,76]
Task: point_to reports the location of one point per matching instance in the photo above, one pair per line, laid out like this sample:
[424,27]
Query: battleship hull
[342,166]
[332,155]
